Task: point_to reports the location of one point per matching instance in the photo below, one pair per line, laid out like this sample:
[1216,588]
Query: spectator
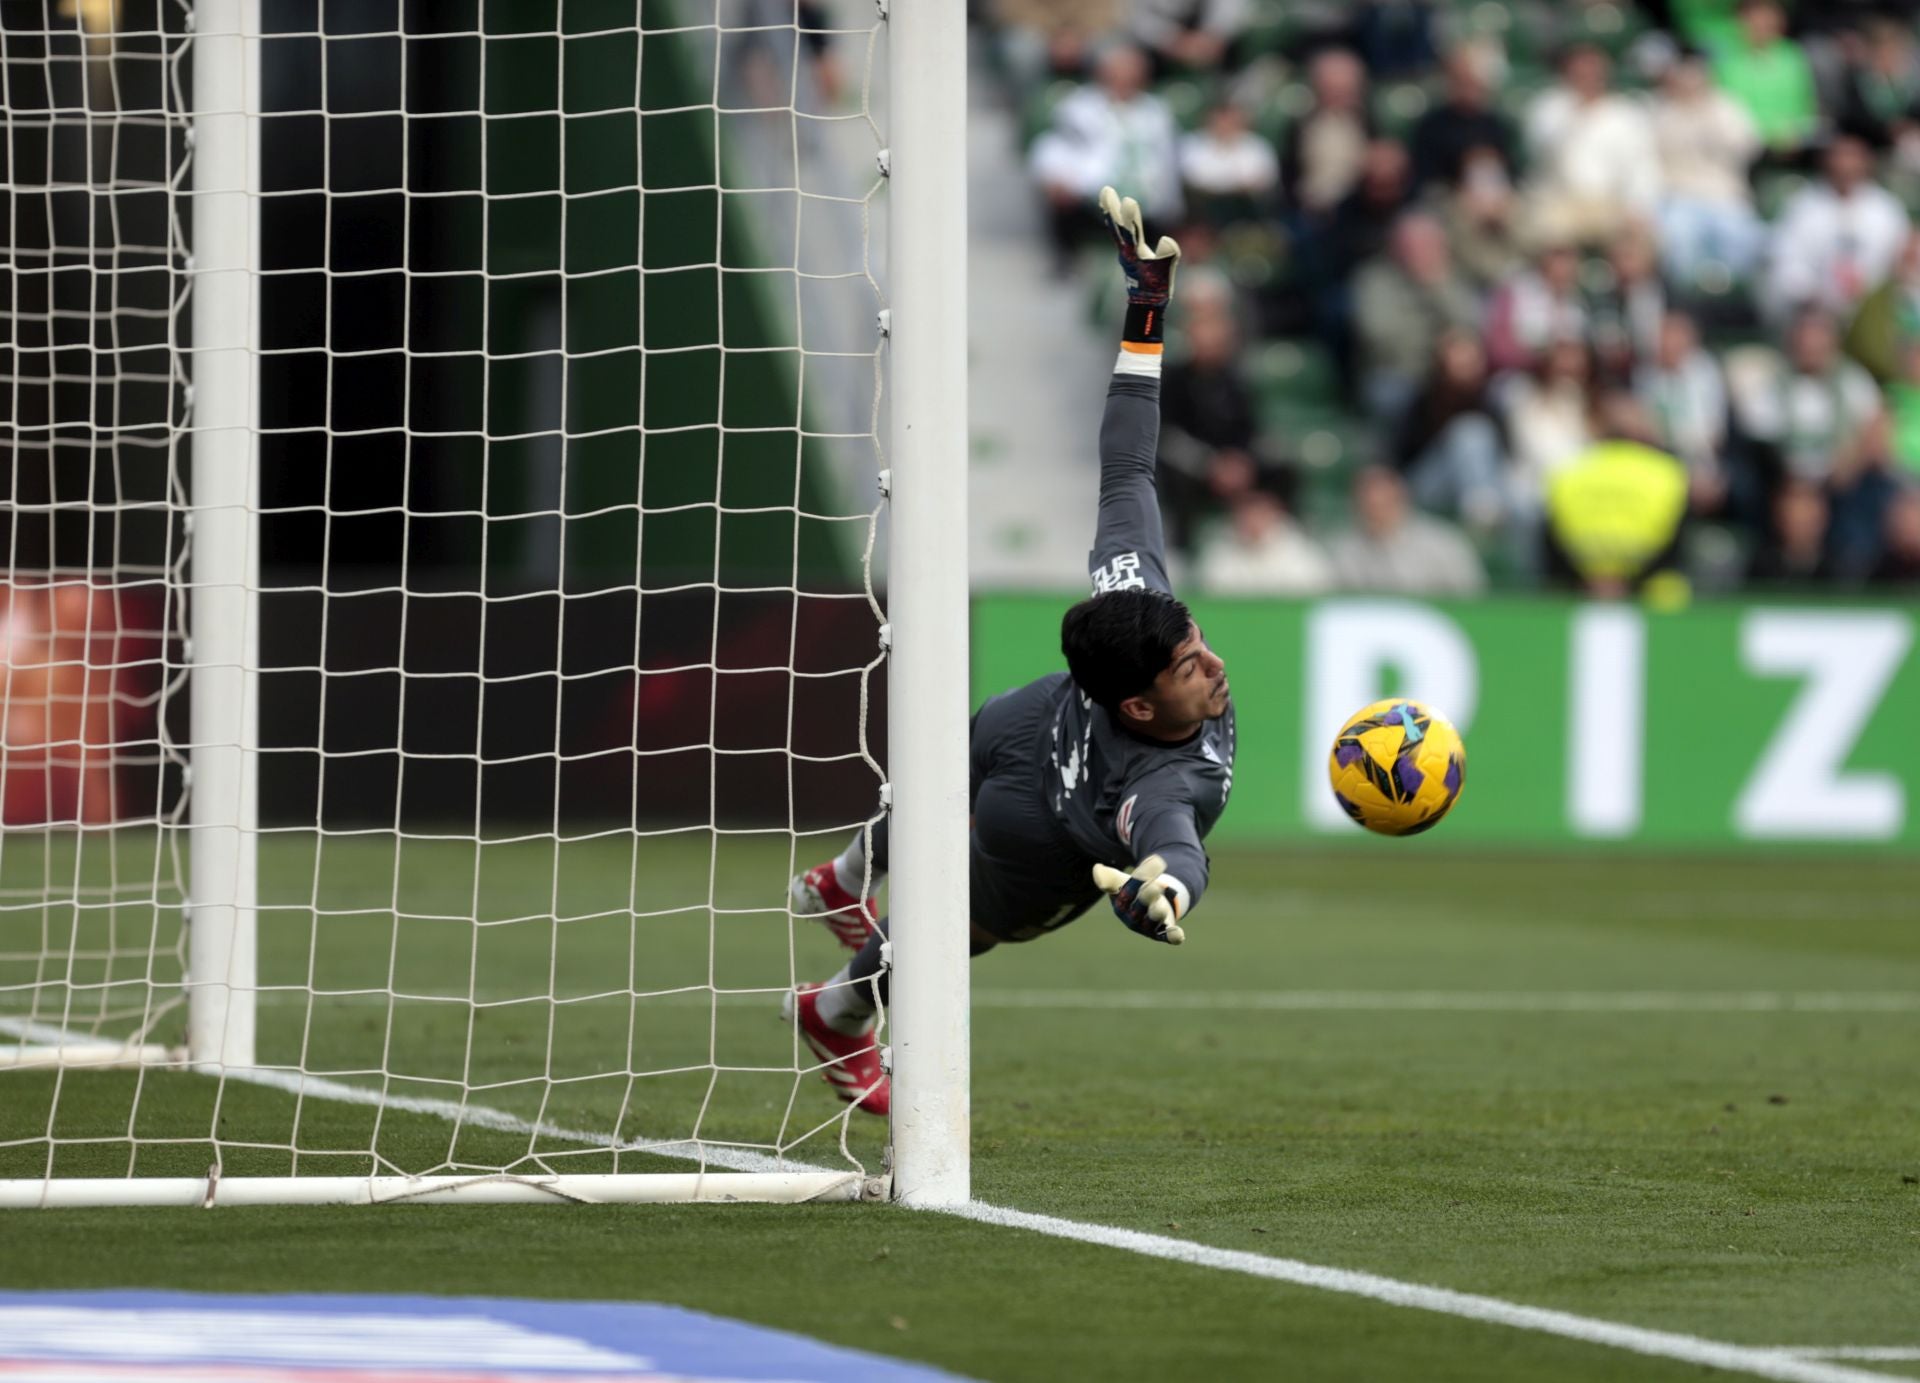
[1685,396]
[1403,303]
[1768,74]
[1209,442]
[1450,444]
[1594,158]
[1835,238]
[1615,511]
[1392,548]
[1708,25]
[1889,318]
[1626,312]
[1325,150]
[1536,308]
[1862,486]
[1706,142]
[1051,38]
[1899,563]
[1363,222]
[1264,552]
[1795,550]
[1481,214]
[1881,102]
[1229,170]
[1811,412]
[1191,34]
[1465,123]
[1549,418]
[1112,130]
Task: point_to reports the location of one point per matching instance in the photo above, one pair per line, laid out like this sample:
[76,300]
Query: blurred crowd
[1606,295]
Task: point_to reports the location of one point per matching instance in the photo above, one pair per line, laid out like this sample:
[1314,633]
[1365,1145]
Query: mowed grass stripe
[1681,1348]
[1729,1174]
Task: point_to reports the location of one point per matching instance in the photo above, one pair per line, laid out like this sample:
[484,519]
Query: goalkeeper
[1099,781]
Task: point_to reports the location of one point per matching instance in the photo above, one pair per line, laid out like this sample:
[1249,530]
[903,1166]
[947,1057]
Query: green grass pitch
[1748,1176]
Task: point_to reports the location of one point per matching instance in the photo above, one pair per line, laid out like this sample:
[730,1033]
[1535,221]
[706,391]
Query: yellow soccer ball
[1398,767]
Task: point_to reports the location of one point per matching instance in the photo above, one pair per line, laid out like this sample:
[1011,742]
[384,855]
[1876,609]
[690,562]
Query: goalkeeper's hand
[1147,900]
[1149,270]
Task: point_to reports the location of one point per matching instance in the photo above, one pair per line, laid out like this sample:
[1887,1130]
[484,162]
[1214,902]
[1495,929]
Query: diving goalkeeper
[1099,781]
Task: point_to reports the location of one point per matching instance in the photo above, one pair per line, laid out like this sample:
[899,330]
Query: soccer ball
[1397,767]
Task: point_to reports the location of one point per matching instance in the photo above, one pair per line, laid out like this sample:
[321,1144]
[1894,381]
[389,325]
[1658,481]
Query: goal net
[446,595]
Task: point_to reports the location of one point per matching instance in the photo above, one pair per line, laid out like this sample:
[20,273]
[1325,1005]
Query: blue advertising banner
[141,1337]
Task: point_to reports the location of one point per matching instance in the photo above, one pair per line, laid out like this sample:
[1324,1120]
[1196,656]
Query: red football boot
[817,893]
[853,1066]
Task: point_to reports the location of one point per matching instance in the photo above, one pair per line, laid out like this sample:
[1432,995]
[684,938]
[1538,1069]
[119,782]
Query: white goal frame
[924,320]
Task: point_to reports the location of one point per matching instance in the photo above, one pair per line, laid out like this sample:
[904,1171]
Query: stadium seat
[1187,98]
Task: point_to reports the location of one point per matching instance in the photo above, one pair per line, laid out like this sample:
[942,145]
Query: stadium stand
[1471,241]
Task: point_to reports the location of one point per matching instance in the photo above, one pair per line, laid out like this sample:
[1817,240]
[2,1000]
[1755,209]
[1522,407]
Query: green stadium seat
[1286,104]
[1399,106]
[1038,114]
[1272,28]
[1614,26]
[1773,190]
[1187,98]
[1289,376]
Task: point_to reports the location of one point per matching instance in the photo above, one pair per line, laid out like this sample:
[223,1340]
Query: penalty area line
[1757,1362]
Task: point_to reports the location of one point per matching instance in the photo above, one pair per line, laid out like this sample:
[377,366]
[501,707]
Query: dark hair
[1119,641]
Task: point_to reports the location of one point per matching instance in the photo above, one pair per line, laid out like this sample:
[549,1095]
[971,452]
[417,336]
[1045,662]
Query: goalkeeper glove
[1149,271]
[1148,900]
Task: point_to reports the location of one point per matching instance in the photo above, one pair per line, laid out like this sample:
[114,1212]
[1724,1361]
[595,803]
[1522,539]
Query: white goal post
[205,1003]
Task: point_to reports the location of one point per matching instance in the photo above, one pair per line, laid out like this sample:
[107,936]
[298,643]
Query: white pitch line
[1886,1354]
[1757,1362]
[1462,1000]
[1664,1344]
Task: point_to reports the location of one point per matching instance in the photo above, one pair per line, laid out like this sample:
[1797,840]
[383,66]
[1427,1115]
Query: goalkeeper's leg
[837,1021]
[1026,899]
[840,891]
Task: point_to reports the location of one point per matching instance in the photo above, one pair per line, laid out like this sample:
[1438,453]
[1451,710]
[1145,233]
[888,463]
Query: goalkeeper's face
[1193,687]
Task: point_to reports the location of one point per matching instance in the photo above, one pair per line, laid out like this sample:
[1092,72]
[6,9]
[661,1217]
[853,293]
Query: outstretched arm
[1169,878]
[1128,547]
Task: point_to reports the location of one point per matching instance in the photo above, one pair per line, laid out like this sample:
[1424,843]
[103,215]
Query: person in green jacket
[1769,74]
[1888,320]
[1708,25]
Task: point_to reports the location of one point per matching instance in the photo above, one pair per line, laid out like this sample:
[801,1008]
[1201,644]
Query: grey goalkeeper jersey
[1119,796]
